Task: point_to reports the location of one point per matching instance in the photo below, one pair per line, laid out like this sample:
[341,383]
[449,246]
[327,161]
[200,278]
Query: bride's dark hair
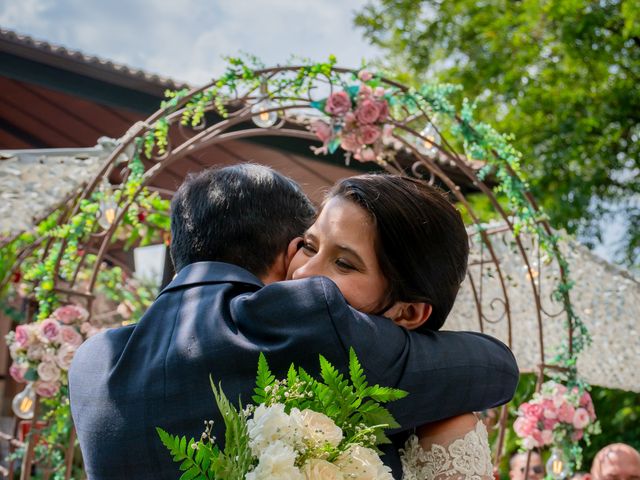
[421,243]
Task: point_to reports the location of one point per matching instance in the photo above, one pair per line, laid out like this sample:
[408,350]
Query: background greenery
[561,75]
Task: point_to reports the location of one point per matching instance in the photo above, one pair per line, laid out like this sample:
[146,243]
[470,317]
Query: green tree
[563,76]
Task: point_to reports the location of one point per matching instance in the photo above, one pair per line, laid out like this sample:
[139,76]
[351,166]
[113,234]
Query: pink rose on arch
[65,356]
[322,130]
[47,389]
[349,142]
[350,120]
[566,412]
[71,313]
[365,91]
[70,336]
[387,131]
[49,330]
[24,336]
[368,111]
[48,372]
[365,155]
[338,103]
[365,75]
[383,108]
[369,134]
[549,409]
[379,92]
[547,437]
[581,418]
[549,423]
[524,426]
[18,371]
[577,435]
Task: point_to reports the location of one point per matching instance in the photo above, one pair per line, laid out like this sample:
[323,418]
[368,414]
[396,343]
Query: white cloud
[185,39]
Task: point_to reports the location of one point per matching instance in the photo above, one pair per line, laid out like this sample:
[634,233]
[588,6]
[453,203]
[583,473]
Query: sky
[185,39]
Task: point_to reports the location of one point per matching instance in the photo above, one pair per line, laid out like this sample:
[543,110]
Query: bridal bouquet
[298,428]
[555,415]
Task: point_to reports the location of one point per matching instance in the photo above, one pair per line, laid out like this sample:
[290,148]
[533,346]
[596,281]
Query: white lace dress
[463,458]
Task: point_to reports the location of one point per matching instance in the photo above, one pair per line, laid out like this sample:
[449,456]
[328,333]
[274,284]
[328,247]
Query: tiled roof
[91,65]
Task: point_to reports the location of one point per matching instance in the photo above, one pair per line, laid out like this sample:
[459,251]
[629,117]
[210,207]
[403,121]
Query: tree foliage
[562,76]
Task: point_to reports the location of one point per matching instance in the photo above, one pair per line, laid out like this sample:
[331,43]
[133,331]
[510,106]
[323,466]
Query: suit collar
[211,272]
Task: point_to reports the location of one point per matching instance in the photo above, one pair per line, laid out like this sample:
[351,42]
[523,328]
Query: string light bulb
[262,116]
[428,140]
[24,403]
[557,467]
[108,207]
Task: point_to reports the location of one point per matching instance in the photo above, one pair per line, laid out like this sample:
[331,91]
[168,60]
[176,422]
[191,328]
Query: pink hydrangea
[47,389]
[368,111]
[565,412]
[322,130]
[49,330]
[547,437]
[71,313]
[581,418]
[338,103]
[18,371]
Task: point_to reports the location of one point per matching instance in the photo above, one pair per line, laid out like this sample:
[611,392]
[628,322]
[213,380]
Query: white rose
[276,462]
[48,372]
[272,423]
[65,355]
[317,469]
[319,429]
[363,463]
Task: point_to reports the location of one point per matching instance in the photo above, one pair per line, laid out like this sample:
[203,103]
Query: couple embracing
[258,270]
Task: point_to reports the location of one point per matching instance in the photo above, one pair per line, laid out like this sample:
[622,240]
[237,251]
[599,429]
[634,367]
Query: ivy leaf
[334,144]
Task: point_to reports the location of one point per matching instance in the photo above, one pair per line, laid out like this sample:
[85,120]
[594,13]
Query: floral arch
[404,130]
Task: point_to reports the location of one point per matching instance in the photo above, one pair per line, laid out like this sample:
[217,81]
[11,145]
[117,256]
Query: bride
[396,247]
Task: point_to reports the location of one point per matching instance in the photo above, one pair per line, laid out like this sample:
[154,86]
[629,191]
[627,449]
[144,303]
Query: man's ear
[410,315]
[292,249]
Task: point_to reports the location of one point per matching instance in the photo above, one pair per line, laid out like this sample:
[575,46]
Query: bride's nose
[309,269]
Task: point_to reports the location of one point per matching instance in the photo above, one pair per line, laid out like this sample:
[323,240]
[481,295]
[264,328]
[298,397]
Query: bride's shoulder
[462,453]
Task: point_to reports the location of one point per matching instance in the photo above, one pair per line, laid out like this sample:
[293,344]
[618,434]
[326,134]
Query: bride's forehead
[341,214]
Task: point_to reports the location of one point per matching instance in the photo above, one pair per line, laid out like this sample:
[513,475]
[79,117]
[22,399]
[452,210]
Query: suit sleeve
[445,373]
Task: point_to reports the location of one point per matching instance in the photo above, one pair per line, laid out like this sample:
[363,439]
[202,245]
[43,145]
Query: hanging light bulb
[24,403]
[108,207]
[557,467]
[428,141]
[262,116]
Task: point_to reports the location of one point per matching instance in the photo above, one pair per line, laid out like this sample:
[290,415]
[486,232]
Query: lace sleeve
[465,458]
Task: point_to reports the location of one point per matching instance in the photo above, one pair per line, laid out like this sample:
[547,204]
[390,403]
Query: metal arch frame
[203,136]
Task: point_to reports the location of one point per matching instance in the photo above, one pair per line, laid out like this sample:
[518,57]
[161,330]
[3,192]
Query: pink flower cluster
[42,351]
[357,124]
[554,414]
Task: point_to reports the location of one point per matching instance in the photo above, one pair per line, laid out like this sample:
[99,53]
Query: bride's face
[340,245]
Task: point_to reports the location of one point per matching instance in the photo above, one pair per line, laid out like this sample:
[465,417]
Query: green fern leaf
[264,379]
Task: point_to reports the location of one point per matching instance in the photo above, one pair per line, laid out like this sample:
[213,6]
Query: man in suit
[233,232]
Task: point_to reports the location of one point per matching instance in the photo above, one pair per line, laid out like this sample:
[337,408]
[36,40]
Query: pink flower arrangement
[42,351]
[555,414]
[357,120]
